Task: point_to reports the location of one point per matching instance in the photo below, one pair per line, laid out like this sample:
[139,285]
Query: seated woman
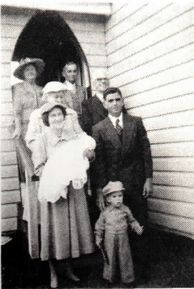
[65,226]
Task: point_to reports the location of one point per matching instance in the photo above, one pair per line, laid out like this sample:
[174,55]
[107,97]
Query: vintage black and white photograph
[97,144]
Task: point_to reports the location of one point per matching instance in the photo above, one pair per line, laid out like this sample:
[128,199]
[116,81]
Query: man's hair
[69,63]
[45,115]
[111,90]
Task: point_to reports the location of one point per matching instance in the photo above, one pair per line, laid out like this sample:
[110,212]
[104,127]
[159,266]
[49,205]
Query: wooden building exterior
[147,48]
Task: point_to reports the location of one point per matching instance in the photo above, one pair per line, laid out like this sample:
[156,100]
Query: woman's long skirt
[65,227]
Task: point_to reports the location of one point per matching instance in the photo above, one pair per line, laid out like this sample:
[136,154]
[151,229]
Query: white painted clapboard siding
[90,32]
[150,57]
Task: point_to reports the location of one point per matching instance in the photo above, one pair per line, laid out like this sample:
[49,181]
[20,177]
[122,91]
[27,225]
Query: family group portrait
[97,144]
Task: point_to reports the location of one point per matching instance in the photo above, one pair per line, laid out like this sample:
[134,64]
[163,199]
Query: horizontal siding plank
[142,20]
[10,224]
[162,79]
[170,120]
[9,171]
[8,158]
[126,11]
[90,37]
[171,207]
[141,71]
[8,145]
[6,55]
[8,43]
[174,164]
[174,105]
[6,133]
[149,54]
[170,230]
[159,35]
[173,150]
[11,31]
[171,90]
[5,82]
[6,68]
[6,96]
[10,197]
[139,37]
[172,135]
[185,179]
[9,211]
[174,193]
[85,25]
[94,48]
[7,120]
[13,19]
[9,184]
[97,60]
[177,223]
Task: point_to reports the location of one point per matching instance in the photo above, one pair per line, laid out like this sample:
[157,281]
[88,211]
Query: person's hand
[38,171]
[100,200]
[137,228]
[148,188]
[89,154]
[98,242]
[17,133]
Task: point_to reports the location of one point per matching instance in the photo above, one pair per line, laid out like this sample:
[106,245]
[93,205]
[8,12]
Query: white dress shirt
[114,119]
[70,86]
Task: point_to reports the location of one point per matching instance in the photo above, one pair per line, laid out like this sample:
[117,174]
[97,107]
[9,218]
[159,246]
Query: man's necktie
[118,127]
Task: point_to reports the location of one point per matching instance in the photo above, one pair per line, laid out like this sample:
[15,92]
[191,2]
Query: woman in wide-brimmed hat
[27,96]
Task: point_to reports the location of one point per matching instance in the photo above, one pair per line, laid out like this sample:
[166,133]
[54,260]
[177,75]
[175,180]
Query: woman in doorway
[27,96]
[65,226]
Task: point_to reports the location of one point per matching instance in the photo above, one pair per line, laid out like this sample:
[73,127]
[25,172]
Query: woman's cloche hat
[37,62]
[53,86]
[47,107]
[112,187]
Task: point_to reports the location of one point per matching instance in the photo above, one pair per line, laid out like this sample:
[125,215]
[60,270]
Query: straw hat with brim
[112,187]
[47,107]
[37,62]
[53,86]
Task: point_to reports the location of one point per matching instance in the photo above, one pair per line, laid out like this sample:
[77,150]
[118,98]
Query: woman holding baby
[65,226]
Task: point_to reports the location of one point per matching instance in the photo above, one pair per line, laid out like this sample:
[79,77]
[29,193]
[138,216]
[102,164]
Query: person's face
[30,72]
[115,199]
[55,97]
[70,72]
[101,84]
[56,118]
[114,104]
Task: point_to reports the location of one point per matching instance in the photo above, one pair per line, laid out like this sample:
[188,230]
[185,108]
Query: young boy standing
[111,231]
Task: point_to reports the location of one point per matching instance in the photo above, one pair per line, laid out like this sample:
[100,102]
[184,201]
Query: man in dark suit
[93,109]
[123,154]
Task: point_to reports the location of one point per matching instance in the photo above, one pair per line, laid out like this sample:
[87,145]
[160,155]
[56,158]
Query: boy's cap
[53,86]
[112,187]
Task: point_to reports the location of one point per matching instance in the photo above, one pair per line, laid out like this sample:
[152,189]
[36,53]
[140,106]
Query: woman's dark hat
[37,62]
[47,107]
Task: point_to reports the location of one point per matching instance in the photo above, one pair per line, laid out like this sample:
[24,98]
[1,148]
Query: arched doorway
[47,36]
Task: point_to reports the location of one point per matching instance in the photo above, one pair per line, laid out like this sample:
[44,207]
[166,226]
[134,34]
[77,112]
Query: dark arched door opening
[47,36]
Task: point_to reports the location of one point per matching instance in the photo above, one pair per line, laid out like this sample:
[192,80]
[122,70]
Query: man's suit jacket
[129,161]
[93,112]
